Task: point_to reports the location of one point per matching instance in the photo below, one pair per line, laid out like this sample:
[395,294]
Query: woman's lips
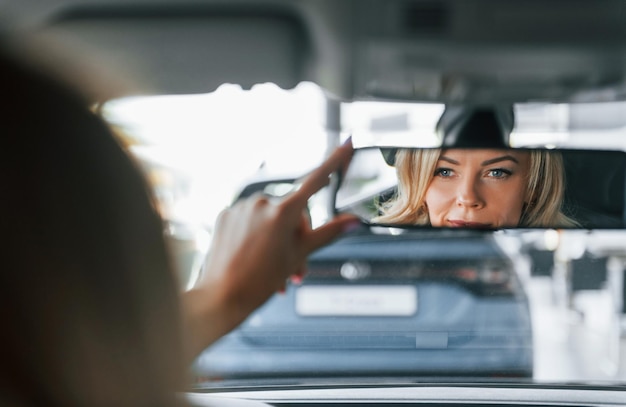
[465,224]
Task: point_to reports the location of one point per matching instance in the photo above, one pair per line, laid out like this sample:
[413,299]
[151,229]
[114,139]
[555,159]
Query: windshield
[540,305]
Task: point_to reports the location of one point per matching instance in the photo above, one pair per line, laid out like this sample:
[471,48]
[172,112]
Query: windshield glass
[544,305]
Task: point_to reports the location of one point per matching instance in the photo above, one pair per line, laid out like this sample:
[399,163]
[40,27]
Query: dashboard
[431,395]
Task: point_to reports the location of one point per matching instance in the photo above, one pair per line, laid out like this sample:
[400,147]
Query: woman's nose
[468,195]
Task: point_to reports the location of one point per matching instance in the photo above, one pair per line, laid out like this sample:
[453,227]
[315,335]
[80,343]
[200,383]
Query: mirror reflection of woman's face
[478,188]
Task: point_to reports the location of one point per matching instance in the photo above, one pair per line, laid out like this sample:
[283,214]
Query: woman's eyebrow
[450,160]
[498,159]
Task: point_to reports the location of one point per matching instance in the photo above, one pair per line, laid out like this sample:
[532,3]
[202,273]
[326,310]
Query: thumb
[330,230]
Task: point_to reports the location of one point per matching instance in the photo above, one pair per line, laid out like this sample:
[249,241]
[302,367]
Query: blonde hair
[415,169]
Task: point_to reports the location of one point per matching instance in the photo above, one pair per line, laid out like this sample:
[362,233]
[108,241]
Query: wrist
[208,316]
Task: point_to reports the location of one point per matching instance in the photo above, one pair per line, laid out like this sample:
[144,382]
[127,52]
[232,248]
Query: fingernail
[347,141]
[296,279]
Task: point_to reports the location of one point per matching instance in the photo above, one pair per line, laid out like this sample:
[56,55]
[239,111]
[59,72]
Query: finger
[298,276]
[282,289]
[296,279]
[306,216]
[329,231]
[258,198]
[318,178]
[305,223]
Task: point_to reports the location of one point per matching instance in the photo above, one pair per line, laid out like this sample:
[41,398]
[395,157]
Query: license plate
[356,301]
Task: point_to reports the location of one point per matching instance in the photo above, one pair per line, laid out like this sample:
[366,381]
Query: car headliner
[453,51]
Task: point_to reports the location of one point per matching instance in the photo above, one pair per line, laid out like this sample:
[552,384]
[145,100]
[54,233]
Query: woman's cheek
[514,214]
[433,206]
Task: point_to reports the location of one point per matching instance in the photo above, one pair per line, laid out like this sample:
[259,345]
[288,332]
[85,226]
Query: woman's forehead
[480,154]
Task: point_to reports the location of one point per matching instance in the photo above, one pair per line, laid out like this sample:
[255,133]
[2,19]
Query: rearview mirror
[485,188]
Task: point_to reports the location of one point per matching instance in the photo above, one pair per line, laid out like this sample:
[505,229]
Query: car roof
[447,51]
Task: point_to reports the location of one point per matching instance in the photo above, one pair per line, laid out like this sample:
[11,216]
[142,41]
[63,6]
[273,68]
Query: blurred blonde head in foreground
[89,305]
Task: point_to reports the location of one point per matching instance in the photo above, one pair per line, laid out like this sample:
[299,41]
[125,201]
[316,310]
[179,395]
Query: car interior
[483,62]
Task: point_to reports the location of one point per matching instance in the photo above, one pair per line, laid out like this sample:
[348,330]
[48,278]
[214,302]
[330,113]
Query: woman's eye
[499,173]
[443,172]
